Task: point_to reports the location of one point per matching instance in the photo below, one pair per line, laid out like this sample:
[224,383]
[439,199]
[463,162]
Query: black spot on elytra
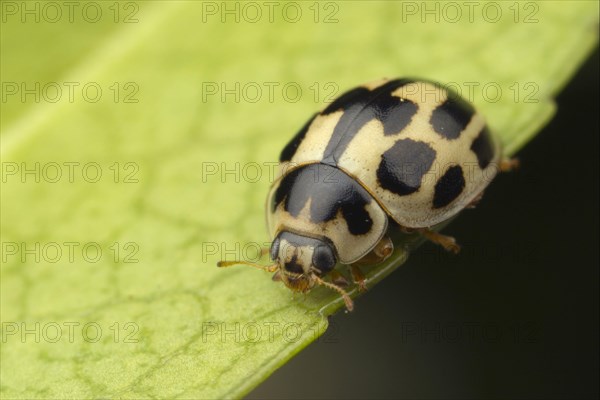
[362,105]
[347,100]
[449,187]
[330,191]
[483,147]
[451,117]
[403,166]
[290,149]
[395,115]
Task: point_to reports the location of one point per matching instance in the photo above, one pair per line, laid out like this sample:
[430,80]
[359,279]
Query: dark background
[514,315]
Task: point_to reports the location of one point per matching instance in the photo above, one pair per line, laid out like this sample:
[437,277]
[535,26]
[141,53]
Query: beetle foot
[447,242]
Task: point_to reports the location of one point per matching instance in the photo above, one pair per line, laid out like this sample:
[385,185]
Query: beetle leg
[358,277]
[475,201]
[384,249]
[380,253]
[509,164]
[447,242]
[338,278]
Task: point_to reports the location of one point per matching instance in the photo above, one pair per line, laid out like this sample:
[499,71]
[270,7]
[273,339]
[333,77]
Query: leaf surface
[133,306]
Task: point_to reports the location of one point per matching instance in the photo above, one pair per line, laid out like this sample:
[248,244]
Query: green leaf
[150,316]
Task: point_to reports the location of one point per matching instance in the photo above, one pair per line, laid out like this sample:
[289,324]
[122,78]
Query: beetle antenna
[268,268]
[347,299]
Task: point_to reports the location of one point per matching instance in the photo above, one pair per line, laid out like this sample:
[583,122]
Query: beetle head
[301,259]
[300,262]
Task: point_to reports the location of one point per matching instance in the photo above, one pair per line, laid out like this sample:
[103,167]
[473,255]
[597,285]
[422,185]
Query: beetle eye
[275,249]
[323,258]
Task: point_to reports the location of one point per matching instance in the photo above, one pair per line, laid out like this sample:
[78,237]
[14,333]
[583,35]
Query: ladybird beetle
[403,152]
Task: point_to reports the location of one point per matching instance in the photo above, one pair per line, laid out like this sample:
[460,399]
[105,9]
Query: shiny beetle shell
[409,150]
